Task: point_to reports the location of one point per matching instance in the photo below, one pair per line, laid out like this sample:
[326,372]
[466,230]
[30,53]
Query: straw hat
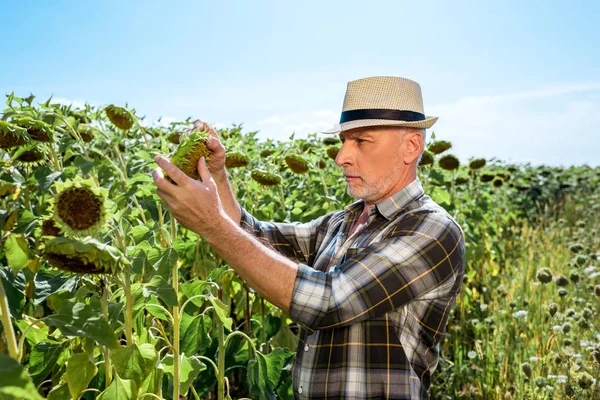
[383,101]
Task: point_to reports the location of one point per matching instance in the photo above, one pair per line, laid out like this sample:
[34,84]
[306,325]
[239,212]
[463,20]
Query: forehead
[368,132]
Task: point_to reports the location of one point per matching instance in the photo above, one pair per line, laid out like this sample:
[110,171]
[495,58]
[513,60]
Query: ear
[413,145]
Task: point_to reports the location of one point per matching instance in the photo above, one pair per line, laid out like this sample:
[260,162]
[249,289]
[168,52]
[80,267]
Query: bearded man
[371,285]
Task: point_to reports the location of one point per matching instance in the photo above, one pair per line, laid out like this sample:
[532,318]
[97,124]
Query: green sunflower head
[449,162]
[296,163]
[426,158]
[38,130]
[439,146]
[12,135]
[236,159]
[265,178]
[31,156]
[189,152]
[331,141]
[264,153]
[87,132]
[322,164]
[84,256]
[497,182]
[119,116]
[332,151]
[80,208]
[486,177]
[174,137]
[477,163]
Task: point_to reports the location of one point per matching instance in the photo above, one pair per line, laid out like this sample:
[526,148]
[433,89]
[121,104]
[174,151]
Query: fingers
[203,171]
[177,175]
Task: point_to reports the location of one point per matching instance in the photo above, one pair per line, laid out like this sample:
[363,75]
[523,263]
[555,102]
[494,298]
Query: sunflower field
[104,296]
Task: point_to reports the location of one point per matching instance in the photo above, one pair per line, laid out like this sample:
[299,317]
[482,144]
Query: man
[372,285]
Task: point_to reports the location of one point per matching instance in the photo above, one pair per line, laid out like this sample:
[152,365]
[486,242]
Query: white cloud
[66,102]
[272,120]
[327,113]
[554,125]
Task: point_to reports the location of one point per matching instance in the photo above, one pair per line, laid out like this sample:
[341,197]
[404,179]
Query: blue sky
[516,81]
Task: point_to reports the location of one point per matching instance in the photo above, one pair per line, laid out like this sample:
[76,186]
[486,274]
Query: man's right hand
[216,159]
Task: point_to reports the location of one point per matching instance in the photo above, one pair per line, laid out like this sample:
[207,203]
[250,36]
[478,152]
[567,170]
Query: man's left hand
[196,205]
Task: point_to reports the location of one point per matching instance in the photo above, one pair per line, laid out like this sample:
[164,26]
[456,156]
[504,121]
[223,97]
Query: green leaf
[440,196]
[78,319]
[155,311]
[59,392]
[139,233]
[46,284]
[14,287]
[14,380]
[36,334]
[17,252]
[153,383]
[45,177]
[194,333]
[119,389]
[258,378]
[296,211]
[135,362]
[162,289]
[166,261]
[221,311]
[80,372]
[43,359]
[194,288]
[189,368]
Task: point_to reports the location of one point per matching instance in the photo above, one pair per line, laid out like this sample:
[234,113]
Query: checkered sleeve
[294,240]
[422,258]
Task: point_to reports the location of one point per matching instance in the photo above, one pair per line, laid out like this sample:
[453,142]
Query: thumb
[205,176]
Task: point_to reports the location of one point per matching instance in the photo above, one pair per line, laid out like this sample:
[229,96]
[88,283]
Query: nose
[344,156]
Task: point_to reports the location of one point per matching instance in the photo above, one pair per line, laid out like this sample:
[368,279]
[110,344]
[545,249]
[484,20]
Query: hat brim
[362,123]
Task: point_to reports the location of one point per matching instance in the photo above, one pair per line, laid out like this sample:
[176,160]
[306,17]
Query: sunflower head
[426,158]
[236,159]
[119,116]
[266,152]
[331,141]
[265,178]
[296,163]
[322,164]
[461,180]
[449,162]
[174,137]
[439,146]
[80,208]
[332,151]
[486,177]
[189,152]
[477,163]
[49,228]
[85,256]
[87,132]
[12,135]
[30,156]
[497,182]
[38,130]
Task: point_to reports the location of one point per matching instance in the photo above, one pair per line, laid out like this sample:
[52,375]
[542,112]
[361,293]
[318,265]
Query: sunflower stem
[282,195]
[161,222]
[107,366]
[9,332]
[221,360]
[176,335]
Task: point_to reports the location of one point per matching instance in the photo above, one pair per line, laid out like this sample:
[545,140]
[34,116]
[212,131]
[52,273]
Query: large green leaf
[47,283]
[135,362]
[189,369]
[80,372]
[14,380]
[119,389]
[163,290]
[78,319]
[264,372]
[43,359]
[194,333]
[195,288]
[45,177]
[14,287]
[36,334]
[17,252]
[153,383]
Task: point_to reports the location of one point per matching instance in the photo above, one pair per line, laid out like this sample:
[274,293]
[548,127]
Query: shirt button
[306,348]
[300,390]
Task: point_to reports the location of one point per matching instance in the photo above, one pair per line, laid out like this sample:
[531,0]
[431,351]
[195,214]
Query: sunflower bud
[235,159]
[439,146]
[544,275]
[331,141]
[266,152]
[526,368]
[477,163]
[332,152]
[561,281]
[265,178]
[448,162]
[426,158]
[296,163]
[119,116]
[552,309]
[486,177]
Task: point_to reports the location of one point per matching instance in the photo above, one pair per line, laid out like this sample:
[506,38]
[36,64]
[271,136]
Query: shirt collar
[390,206]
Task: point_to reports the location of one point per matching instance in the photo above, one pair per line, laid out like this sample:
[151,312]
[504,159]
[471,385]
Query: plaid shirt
[373,307]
